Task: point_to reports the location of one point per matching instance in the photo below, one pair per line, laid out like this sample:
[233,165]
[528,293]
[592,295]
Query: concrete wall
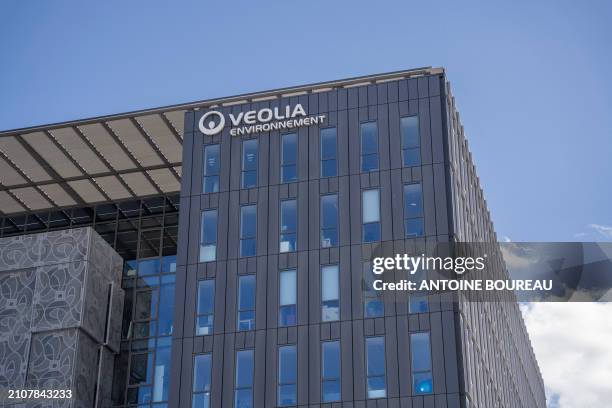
[60,314]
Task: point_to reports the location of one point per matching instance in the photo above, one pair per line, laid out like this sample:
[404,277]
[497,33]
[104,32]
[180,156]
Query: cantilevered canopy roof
[91,161]
[124,156]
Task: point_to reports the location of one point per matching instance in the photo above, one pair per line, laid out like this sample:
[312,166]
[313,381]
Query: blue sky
[531,79]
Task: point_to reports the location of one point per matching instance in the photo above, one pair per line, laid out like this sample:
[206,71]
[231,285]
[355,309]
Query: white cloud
[573,345]
[604,230]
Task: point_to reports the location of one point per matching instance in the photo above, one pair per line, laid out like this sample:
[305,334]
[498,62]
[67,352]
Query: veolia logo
[209,128]
[263,120]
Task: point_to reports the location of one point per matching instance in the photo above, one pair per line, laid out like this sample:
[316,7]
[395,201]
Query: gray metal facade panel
[345,109]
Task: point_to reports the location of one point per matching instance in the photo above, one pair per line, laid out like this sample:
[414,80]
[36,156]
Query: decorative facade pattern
[57,290]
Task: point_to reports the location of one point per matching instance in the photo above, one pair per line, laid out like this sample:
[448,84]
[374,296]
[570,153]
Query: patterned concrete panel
[54,294]
[58,299]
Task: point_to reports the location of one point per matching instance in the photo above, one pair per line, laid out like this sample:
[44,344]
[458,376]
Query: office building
[247,226]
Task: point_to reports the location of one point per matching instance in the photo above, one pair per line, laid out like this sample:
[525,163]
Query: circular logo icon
[207,124]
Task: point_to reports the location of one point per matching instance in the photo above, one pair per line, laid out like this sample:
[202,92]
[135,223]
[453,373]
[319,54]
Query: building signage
[255,121]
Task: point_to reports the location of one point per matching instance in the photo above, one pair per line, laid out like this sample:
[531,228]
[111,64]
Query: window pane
[249,163]
[288,226]
[206,296]
[414,227]
[369,138]
[140,368]
[248,221]
[331,390]
[328,152]
[288,157]
[208,236]
[418,304]
[286,394]
[201,373]
[413,201]
[329,211]
[370,206]
[409,128]
[246,292]
[286,365]
[411,157]
[287,287]
[330,359]
[166,310]
[369,146]
[243,398]
[375,353]
[289,148]
[211,168]
[248,230]
[329,283]
[249,154]
[201,400]
[287,368]
[423,382]
[419,347]
[244,368]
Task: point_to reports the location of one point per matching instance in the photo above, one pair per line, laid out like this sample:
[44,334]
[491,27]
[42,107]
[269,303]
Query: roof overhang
[125,156]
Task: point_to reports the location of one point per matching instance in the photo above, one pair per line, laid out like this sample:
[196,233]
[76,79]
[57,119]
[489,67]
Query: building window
[420,351]
[330,371]
[413,210]
[329,168]
[249,163]
[287,311]
[288,226]
[375,367]
[208,236]
[248,230]
[201,381]
[370,213]
[287,374]
[288,157]
[330,293]
[329,220]
[417,304]
[409,130]
[206,307]
[369,146]
[373,305]
[246,302]
[243,385]
[211,169]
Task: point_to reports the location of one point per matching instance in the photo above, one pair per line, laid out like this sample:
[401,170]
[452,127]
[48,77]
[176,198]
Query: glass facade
[144,232]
